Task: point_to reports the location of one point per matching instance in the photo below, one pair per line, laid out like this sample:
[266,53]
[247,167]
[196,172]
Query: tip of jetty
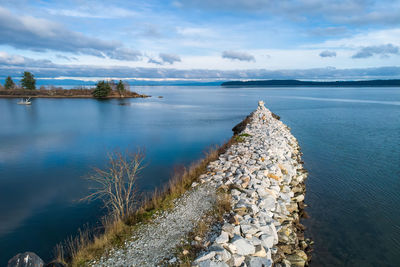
[264,175]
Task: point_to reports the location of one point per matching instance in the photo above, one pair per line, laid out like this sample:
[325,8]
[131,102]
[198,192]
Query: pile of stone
[263,173]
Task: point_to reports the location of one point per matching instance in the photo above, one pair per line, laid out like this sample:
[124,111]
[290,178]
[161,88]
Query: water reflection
[349,138]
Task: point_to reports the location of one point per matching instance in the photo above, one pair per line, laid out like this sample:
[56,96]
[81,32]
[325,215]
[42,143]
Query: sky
[201,39]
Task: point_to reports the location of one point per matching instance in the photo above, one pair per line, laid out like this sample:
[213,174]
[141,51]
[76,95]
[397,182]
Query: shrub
[103,89]
[116,185]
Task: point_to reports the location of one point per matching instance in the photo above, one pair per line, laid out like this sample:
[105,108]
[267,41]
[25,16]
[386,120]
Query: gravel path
[156,241]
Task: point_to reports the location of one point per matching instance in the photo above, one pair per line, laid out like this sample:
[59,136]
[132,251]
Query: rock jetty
[263,173]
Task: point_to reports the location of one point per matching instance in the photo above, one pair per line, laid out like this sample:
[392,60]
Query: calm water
[350,138]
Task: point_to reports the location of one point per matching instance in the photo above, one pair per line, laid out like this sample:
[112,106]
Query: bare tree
[116,184]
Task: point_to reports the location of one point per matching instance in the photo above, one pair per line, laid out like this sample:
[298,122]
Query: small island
[27,89]
[297,83]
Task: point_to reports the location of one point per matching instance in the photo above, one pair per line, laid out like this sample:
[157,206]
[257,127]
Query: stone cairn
[263,173]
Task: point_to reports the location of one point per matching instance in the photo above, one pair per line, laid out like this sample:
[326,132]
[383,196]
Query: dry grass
[179,184]
[89,245]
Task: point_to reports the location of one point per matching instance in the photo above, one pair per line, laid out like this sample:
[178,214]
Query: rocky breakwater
[263,173]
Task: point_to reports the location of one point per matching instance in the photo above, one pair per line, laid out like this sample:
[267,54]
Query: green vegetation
[241,137]
[121,87]
[103,89]
[28,81]
[9,84]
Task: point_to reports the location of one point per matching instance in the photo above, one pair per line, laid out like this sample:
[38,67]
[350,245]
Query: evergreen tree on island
[9,84]
[103,89]
[28,81]
[121,88]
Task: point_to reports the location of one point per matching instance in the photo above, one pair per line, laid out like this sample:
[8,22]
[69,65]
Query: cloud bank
[26,32]
[15,65]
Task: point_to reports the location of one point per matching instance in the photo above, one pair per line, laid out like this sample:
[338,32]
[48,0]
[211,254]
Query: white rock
[223,238]
[206,256]
[258,262]
[243,246]
[260,251]
[267,241]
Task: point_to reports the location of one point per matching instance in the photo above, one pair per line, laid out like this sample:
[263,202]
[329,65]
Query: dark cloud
[67,58]
[382,50]
[242,56]
[15,65]
[26,32]
[327,53]
[169,58]
[155,61]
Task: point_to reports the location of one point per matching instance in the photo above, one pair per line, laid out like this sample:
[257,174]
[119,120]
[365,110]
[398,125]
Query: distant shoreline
[297,83]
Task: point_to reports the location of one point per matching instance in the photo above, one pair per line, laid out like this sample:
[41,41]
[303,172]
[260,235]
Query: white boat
[25,101]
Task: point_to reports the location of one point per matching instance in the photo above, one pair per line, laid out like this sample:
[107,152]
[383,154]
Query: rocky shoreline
[263,172]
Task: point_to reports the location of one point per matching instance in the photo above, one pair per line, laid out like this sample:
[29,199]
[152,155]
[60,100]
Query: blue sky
[201,39]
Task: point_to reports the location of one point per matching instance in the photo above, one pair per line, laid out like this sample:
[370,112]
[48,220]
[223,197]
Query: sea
[350,139]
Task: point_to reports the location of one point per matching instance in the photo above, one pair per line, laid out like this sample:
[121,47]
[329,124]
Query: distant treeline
[103,89]
[297,83]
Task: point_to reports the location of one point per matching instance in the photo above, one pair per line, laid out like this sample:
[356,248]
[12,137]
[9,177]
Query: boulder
[297,259]
[260,251]
[27,259]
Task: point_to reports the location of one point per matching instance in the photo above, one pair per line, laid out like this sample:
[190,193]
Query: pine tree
[120,87]
[103,89]
[9,84]
[28,81]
